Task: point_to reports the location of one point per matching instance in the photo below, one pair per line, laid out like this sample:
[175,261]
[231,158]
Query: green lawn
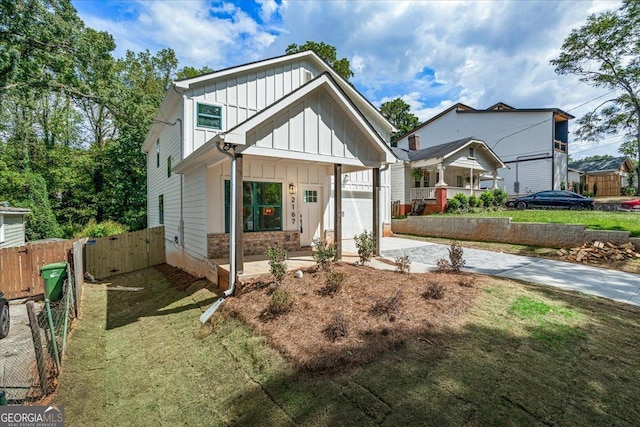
[596,220]
[525,355]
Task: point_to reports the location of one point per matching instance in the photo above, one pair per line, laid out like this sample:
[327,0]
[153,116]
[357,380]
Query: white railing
[425,193]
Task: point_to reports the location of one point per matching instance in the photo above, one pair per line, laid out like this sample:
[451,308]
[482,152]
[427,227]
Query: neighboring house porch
[465,166]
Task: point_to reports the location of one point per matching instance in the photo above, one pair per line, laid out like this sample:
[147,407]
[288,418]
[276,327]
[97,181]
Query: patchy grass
[518,355]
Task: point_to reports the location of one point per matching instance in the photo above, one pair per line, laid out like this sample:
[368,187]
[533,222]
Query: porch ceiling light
[292,189]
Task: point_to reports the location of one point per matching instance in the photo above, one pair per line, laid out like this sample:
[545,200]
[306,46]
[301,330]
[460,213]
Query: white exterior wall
[12,230]
[533,176]
[400,175]
[195,212]
[561,175]
[159,184]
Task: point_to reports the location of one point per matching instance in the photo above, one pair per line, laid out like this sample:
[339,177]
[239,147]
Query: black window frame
[208,115]
[161,209]
[252,208]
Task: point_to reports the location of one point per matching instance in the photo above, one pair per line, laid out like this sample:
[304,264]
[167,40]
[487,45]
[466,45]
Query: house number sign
[293,209]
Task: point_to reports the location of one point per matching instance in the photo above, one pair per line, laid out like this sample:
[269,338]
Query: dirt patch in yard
[372,312]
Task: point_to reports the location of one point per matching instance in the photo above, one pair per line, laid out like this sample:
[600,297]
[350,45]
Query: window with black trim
[209,116]
[261,206]
[158,153]
[169,167]
[161,209]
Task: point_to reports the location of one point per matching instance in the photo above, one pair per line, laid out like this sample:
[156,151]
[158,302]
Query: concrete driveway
[612,284]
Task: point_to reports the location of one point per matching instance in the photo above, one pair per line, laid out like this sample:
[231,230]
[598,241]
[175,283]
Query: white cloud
[432,54]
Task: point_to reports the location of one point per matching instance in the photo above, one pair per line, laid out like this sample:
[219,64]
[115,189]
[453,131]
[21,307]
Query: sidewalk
[612,284]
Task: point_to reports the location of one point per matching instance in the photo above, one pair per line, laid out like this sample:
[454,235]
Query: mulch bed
[375,310]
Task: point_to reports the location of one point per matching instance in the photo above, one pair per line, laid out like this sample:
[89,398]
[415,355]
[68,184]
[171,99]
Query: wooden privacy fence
[20,266]
[123,253]
[607,185]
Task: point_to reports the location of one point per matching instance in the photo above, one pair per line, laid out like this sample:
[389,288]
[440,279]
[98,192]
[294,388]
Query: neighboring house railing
[426,193]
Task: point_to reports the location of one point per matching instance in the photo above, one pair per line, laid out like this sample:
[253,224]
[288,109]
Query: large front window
[261,206]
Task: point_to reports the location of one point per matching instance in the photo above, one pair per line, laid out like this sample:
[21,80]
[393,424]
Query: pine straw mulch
[379,311]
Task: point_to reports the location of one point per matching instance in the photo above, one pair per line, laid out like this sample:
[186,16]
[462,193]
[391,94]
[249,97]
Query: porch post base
[441,198]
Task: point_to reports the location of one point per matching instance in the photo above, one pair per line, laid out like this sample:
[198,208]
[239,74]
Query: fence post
[37,346]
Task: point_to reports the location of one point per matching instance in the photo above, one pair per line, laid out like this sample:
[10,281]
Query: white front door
[310,215]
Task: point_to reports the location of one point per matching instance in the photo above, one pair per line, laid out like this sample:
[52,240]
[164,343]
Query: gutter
[232,232]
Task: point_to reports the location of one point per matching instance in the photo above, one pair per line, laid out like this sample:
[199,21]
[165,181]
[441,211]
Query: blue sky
[432,54]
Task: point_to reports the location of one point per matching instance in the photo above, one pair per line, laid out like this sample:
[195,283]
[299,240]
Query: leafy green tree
[328,53]
[29,190]
[605,52]
[399,113]
[188,72]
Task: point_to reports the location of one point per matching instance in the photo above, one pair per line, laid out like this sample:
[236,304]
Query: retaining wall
[503,230]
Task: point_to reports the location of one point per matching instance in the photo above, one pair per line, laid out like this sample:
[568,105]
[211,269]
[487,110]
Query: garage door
[358,213]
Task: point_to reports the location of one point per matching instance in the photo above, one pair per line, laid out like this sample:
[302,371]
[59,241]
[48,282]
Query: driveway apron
[612,284]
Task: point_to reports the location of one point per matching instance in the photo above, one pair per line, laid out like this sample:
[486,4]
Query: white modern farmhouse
[280,151]
[532,142]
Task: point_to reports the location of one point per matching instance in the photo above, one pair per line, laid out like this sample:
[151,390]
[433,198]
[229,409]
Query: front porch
[429,193]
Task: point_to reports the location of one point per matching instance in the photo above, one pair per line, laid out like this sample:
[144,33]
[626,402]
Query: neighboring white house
[462,166]
[299,138]
[12,231]
[532,142]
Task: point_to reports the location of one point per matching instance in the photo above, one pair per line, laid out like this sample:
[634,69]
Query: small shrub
[475,202]
[453,206]
[455,261]
[277,262]
[281,302]
[365,244]
[487,199]
[500,196]
[386,305]
[324,254]
[403,264]
[433,291]
[455,257]
[334,283]
[464,201]
[443,265]
[467,281]
[337,328]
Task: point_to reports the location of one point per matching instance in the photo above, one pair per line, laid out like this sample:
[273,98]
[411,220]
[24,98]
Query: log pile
[599,252]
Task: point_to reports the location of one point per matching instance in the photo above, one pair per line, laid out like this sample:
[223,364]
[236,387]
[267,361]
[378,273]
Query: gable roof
[499,107]
[173,94]
[444,150]
[602,165]
[237,134]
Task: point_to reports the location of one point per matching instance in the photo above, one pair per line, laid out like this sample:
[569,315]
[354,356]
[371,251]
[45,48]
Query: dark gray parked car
[4,316]
[552,199]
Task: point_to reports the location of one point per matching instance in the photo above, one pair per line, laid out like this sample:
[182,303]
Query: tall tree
[328,53]
[399,113]
[605,52]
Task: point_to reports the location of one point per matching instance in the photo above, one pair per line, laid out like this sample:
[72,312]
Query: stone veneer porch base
[254,243]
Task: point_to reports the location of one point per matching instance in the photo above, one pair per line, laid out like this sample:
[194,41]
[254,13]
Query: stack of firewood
[598,252]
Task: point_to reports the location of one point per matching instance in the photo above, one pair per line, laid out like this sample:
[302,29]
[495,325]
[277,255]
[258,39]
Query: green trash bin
[54,276]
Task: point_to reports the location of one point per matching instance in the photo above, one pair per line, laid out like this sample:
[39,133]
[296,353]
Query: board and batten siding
[242,96]
[195,211]
[400,189]
[159,184]
[560,165]
[13,226]
[316,125]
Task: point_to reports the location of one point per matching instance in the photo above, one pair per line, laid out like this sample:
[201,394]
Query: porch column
[376,211]
[495,178]
[337,209]
[239,219]
[441,172]
[471,178]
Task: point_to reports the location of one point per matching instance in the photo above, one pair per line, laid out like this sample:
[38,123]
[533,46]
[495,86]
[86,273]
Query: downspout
[232,237]
[232,220]
[184,100]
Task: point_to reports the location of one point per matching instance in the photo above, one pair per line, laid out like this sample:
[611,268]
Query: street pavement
[612,284]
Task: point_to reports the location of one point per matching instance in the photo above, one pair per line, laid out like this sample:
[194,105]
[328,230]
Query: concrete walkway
[612,284]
